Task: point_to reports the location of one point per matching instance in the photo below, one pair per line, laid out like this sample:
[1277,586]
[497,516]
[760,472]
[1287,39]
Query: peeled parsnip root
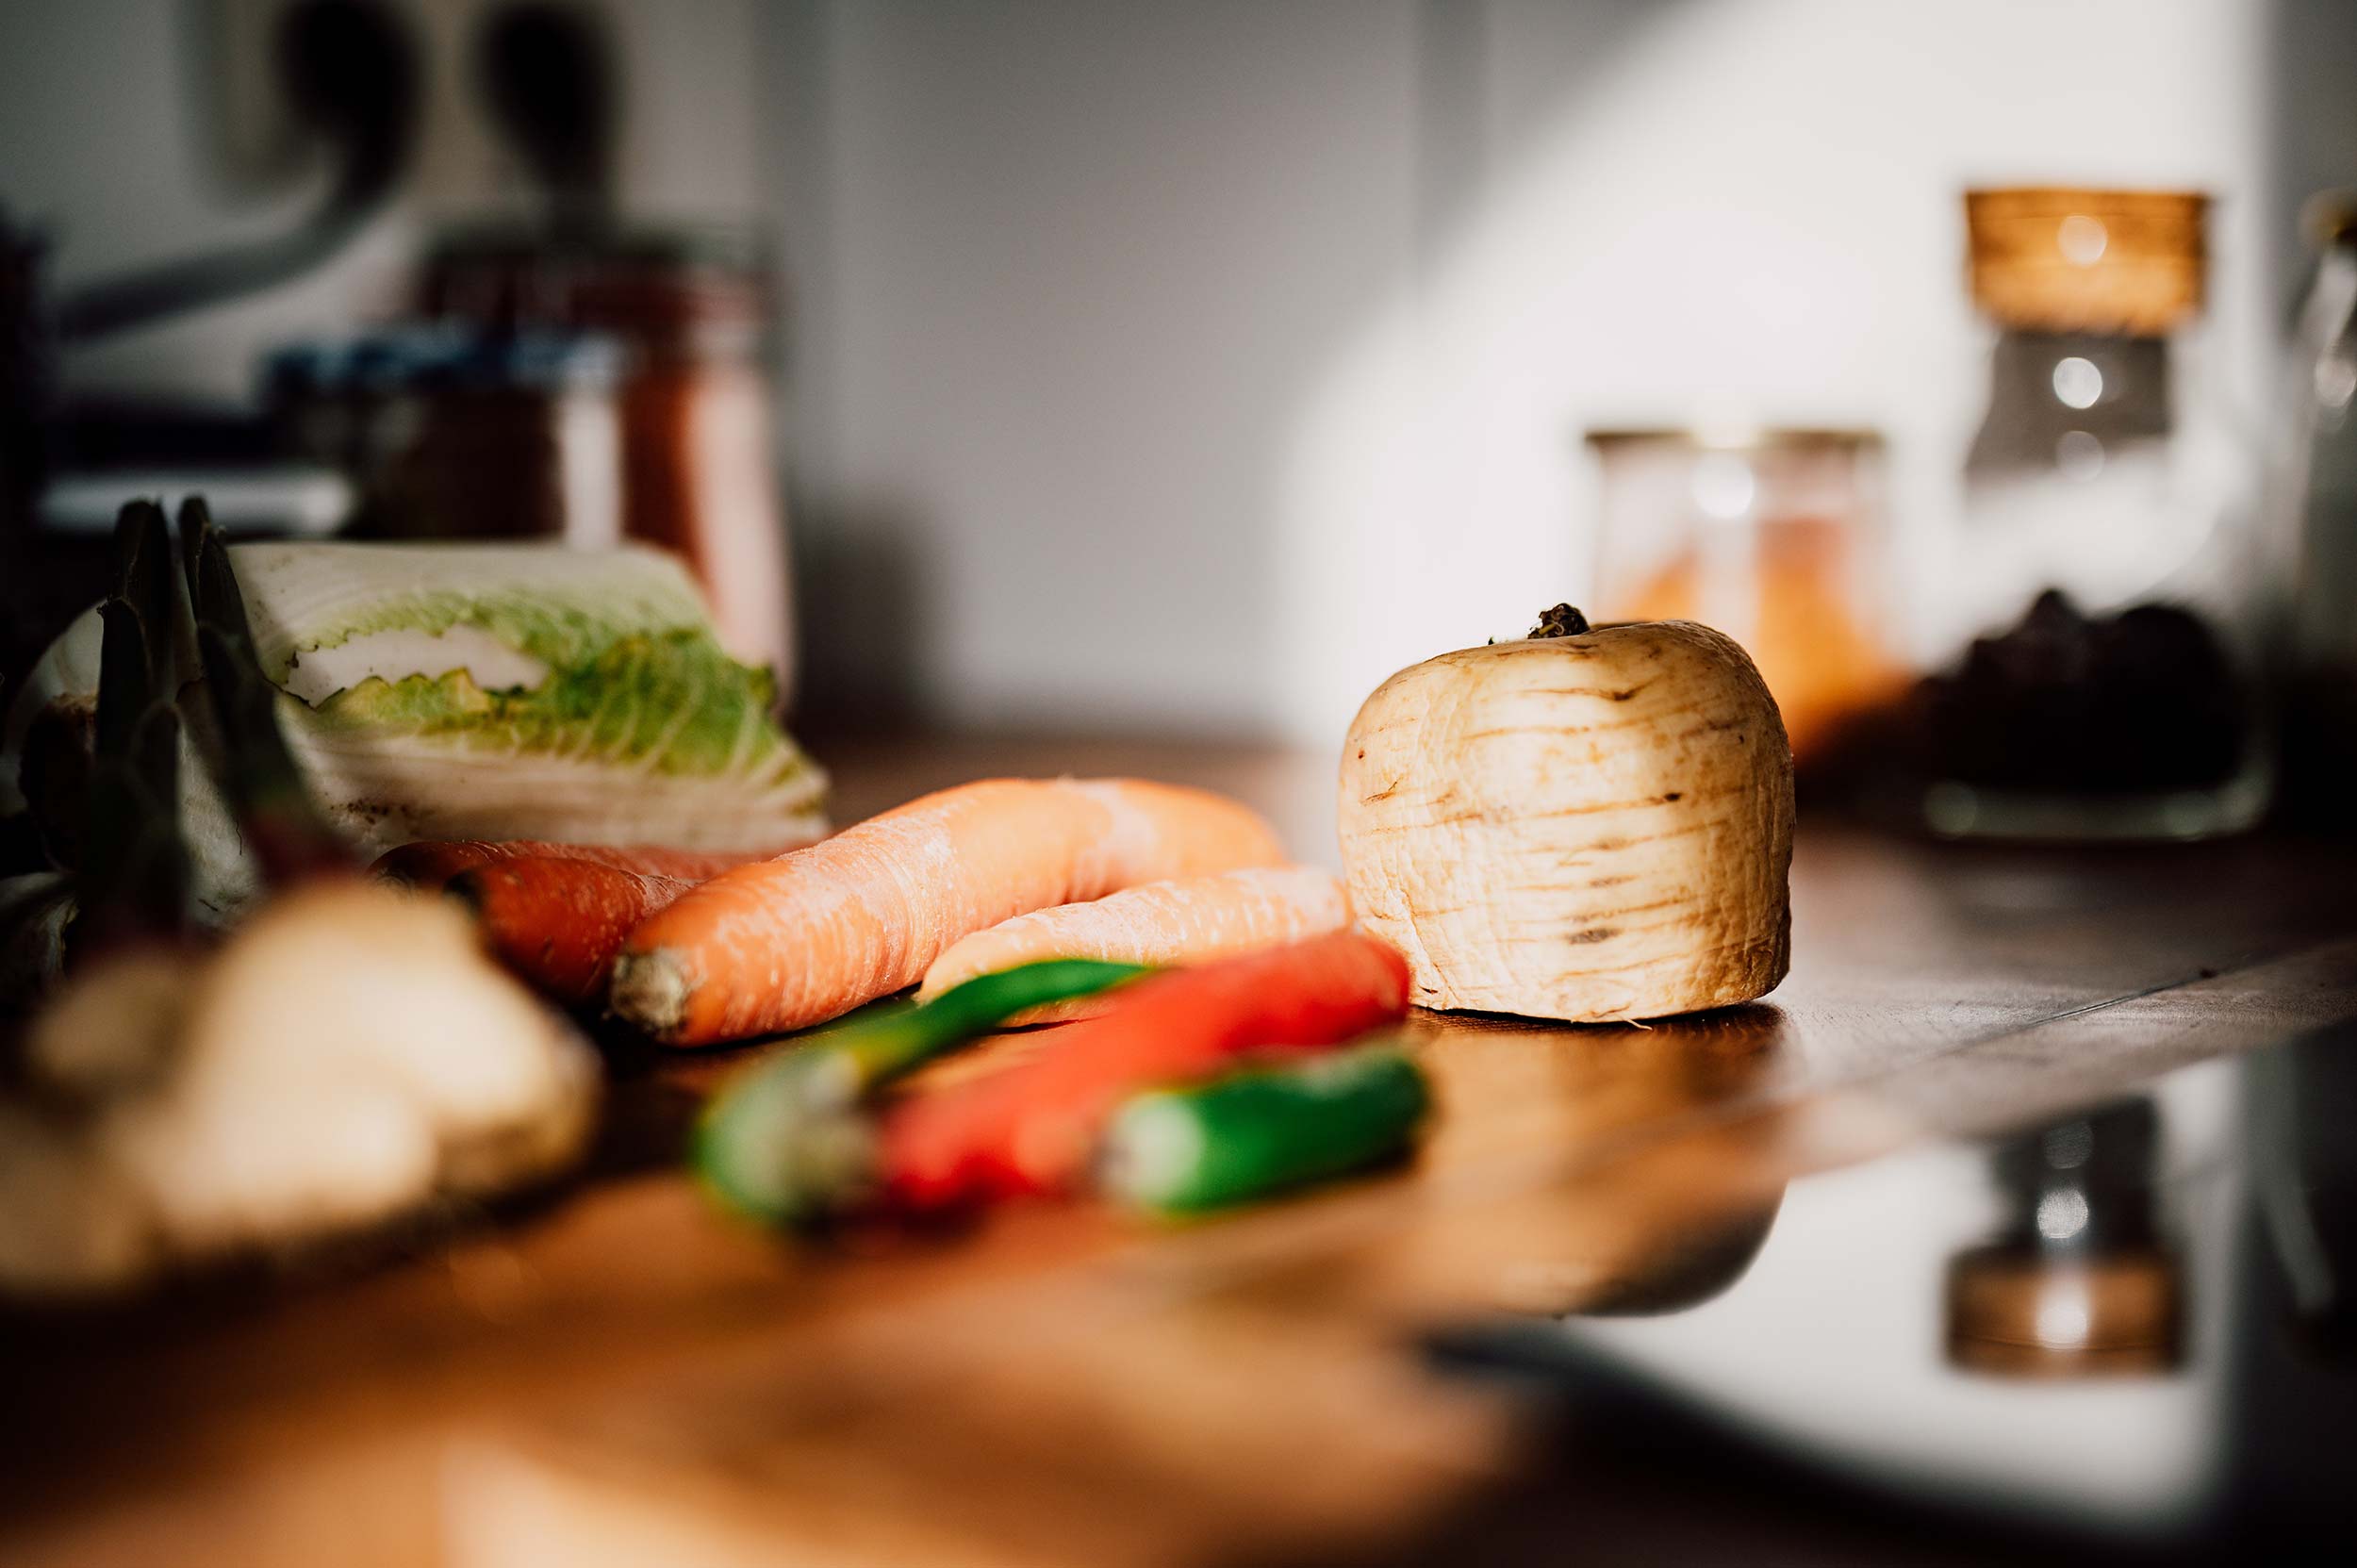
[348,1055]
[1586,824]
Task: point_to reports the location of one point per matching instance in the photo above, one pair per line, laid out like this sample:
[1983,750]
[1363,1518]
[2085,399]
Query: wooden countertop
[613,1374]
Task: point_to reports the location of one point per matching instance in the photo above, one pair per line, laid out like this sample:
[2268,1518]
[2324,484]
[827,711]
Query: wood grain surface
[611,1373]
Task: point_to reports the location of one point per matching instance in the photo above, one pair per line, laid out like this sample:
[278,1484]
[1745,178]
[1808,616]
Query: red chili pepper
[1032,1128]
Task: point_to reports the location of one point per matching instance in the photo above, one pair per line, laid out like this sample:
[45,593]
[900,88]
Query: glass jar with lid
[2099,615]
[1776,538]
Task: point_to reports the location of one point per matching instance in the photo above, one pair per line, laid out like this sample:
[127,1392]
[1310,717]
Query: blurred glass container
[692,309]
[1773,537]
[2103,603]
[451,434]
[2081,1279]
[2316,485]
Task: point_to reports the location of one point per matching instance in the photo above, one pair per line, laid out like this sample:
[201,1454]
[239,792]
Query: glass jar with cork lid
[2097,616]
[1775,535]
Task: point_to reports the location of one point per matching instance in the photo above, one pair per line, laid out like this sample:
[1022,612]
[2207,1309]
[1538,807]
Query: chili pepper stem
[1157,1141]
[791,1141]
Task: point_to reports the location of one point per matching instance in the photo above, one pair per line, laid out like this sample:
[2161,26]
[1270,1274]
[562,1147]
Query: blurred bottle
[2316,487]
[1773,537]
[691,312]
[2104,597]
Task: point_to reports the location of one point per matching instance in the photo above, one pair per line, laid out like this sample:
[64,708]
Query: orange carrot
[796,940]
[1188,920]
[430,863]
[1032,1127]
[558,922]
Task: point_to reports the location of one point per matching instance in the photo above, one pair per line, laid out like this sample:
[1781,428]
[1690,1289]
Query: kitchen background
[1188,366]
[1150,371]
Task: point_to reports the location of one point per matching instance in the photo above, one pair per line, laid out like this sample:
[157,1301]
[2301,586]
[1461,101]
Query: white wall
[1197,362]
[1083,268]
[1204,362]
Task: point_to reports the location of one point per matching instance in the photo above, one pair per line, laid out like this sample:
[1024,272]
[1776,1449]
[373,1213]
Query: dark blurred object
[28,376]
[2145,699]
[29,381]
[1775,537]
[350,71]
[2293,1365]
[450,434]
[547,74]
[1628,1466]
[66,557]
[691,310]
[2305,1169]
[2316,484]
[2078,1282]
[2108,586]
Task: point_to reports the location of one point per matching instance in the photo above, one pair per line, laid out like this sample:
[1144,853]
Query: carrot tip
[651,990]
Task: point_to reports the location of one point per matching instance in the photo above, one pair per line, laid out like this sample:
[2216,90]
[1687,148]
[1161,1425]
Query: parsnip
[1583,824]
[347,1057]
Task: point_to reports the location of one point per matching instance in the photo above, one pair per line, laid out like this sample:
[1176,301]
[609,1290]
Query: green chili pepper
[1264,1130]
[787,1139]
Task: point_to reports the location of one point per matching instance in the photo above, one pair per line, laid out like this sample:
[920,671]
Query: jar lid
[407,356]
[2058,258]
[649,283]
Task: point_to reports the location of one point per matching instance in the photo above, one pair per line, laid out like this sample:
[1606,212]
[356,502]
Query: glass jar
[451,434]
[2316,490]
[2102,608]
[1773,537]
[692,308]
[2082,1279]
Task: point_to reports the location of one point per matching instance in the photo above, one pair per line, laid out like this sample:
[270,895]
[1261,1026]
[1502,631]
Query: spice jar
[692,308]
[449,434]
[2101,601]
[1772,536]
